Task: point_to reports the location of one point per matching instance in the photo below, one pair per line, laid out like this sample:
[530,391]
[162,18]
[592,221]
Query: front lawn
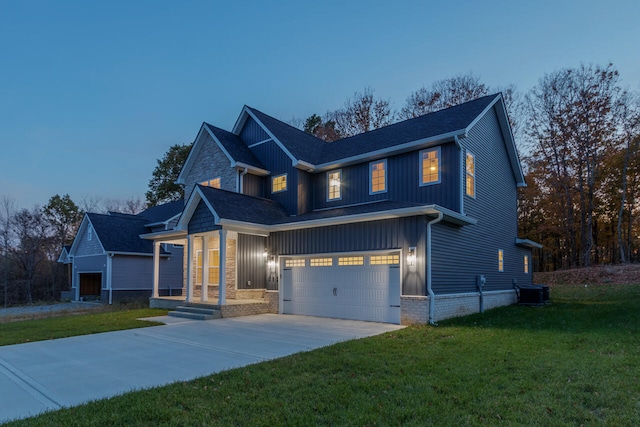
[75,324]
[575,362]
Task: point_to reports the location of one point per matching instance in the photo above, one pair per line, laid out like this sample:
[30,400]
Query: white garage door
[353,286]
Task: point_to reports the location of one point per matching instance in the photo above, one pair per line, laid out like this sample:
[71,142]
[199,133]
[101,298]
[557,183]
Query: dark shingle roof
[120,233]
[301,145]
[240,207]
[162,212]
[236,148]
[315,151]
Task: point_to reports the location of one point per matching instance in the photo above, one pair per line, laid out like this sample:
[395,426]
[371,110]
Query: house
[410,223]
[110,262]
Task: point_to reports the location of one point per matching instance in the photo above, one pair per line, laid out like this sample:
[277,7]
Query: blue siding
[253,185]
[403,182]
[461,253]
[277,161]
[251,262]
[252,132]
[399,233]
[305,192]
[202,220]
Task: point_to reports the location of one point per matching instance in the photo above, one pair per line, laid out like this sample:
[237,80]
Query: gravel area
[37,310]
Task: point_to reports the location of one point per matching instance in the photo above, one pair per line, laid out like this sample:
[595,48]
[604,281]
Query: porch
[231,308]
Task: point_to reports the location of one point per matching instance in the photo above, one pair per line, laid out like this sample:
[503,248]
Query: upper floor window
[334,181]
[471,175]
[215,183]
[500,260]
[526,264]
[430,166]
[279,183]
[90,233]
[378,177]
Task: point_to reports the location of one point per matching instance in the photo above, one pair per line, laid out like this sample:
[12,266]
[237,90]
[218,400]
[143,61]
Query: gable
[252,133]
[87,241]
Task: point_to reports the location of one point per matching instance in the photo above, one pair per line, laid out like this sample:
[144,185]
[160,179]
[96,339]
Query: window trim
[339,172]
[467,174]
[421,169]
[286,183]
[500,261]
[386,174]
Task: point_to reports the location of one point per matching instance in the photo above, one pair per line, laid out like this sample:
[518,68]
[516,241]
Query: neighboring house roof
[162,213]
[64,255]
[120,233]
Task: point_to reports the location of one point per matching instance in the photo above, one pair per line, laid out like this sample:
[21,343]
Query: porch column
[190,271]
[204,294]
[222,283]
[156,268]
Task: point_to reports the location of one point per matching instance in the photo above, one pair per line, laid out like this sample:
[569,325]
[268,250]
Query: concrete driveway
[48,375]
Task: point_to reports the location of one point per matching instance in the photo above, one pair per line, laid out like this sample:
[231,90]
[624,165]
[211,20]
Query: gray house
[110,262]
[410,223]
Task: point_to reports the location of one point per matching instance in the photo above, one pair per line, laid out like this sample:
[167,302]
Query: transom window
[321,262]
[384,259]
[471,175]
[334,181]
[430,166]
[214,182]
[500,260]
[351,260]
[294,263]
[378,176]
[279,183]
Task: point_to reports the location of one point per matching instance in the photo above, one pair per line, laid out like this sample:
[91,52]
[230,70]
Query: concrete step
[195,313]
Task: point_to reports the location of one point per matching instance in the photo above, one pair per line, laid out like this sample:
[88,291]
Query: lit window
[526,264]
[471,175]
[500,260]
[334,180]
[215,183]
[384,259]
[351,260]
[294,263]
[214,266]
[279,183]
[378,175]
[430,166]
[321,262]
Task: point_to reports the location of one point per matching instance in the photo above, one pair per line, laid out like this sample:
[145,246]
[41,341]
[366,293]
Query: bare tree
[7,208]
[360,114]
[131,205]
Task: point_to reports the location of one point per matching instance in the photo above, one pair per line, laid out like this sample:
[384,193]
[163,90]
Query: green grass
[76,324]
[575,362]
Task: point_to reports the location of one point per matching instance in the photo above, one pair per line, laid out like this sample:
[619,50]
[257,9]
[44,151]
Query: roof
[236,148]
[162,213]
[240,207]
[120,233]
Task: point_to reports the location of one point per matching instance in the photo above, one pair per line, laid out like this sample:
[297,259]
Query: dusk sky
[92,93]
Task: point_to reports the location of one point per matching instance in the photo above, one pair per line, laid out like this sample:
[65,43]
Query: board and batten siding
[403,182]
[88,247]
[251,263]
[253,185]
[210,162]
[130,272]
[202,220]
[462,253]
[278,163]
[252,132]
[388,234]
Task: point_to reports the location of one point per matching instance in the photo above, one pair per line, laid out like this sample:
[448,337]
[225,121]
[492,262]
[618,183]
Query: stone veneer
[272,298]
[415,309]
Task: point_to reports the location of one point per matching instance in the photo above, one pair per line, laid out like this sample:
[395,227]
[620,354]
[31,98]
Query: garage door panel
[351,292]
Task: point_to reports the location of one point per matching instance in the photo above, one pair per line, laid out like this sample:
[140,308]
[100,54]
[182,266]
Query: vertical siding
[251,262]
[461,253]
[403,182]
[253,185]
[276,161]
[305,192]
[136,272]
[202,219]
[252,132]
[399,233]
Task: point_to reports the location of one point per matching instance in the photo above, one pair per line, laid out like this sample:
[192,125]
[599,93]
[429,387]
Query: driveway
[48,375]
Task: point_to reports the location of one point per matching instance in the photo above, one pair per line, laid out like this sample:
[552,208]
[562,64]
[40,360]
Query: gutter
[432,296]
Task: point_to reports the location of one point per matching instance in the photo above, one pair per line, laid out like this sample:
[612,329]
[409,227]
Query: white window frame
[467,174]
[286,183]
[420,160]
[386,174]
[329,173]
[500,260]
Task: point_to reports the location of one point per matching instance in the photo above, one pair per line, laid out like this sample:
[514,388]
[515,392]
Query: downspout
[109,278]
[242,174]
[432,296]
